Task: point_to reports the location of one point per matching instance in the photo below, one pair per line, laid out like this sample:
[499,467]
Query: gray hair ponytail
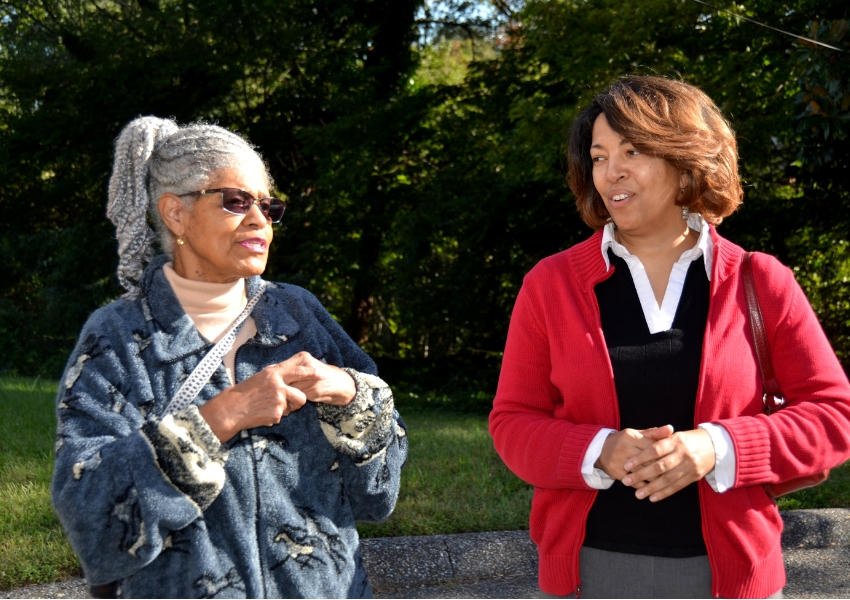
[154,156]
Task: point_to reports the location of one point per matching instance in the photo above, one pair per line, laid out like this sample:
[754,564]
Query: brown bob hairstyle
[671,120]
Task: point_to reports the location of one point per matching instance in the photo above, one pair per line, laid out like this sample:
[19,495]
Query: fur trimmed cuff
[189,454]
[363,428]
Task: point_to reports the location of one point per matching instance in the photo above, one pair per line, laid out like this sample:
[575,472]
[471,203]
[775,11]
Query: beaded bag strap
[202,373]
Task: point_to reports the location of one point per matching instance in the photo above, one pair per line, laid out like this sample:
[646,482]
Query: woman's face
[220,247]
[639,190]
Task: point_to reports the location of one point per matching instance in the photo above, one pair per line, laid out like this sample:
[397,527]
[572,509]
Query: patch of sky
[440,19]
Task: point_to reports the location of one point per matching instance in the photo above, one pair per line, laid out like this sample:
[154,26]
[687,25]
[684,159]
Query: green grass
[834,493]
[33,548]
[453,482]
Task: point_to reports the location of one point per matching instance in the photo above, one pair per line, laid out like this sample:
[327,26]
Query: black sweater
[656,377]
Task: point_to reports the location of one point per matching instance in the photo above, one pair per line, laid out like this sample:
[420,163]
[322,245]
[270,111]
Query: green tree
[422,151]
[486,194]
[72,73]
[819,248]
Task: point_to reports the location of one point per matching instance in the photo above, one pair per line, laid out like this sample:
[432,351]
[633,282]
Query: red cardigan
[556,391]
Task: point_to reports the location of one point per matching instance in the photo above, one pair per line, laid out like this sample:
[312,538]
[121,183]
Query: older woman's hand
[670,464]
[321,382]
[621,446]
[266,397]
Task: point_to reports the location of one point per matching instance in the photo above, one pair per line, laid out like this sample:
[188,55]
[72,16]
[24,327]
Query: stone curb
[416,561]
[429,561]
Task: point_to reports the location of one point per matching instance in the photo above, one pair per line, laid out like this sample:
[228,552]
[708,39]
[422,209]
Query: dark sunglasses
[239,202]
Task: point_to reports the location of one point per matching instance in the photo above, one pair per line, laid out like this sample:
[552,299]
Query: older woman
[630,395]
[240,475]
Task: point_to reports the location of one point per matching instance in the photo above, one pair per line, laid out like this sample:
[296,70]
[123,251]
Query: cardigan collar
[589,266]
[174,334]
[727,256]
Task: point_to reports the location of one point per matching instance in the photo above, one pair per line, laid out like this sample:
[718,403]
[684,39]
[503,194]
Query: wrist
[606,446]
[220,421]
[352,391]
[349,389]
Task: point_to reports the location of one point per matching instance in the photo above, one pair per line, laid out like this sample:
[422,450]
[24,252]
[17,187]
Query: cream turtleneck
[213,307]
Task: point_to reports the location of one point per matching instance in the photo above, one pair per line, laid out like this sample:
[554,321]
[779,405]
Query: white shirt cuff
[723,476]
[596,478]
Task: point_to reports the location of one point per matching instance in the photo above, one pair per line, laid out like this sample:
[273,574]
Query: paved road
[816,545]
[812,573]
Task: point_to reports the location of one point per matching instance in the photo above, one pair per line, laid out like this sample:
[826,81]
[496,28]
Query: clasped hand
[278,390]
[657,462]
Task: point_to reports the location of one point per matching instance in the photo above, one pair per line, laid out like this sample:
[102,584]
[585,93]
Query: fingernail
[653,498]
[628,466]
[627,481]
[640,494]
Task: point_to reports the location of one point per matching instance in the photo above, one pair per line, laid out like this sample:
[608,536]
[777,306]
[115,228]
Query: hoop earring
[180,241]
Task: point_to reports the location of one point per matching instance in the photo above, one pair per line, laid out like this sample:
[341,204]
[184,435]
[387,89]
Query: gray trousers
[616,575]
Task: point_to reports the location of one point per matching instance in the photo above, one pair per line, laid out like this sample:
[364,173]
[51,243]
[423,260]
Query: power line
[799,37]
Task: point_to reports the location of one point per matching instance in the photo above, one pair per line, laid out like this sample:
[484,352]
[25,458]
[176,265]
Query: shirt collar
[704,247]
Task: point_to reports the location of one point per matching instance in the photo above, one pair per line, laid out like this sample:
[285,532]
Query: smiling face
[220,247]
[639,190]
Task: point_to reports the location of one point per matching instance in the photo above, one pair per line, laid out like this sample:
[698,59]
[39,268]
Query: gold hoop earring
[180,241]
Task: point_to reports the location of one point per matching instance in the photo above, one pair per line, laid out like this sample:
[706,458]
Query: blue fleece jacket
[159,505]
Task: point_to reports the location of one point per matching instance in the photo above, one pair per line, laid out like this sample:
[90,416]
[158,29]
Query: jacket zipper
[598,325]
[250,440]
[261,566]
[705,532]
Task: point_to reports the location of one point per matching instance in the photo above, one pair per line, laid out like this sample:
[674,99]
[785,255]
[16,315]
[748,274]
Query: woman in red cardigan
[630,395]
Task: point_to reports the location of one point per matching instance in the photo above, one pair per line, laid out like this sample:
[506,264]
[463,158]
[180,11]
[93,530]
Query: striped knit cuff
[751,452]
[573,450]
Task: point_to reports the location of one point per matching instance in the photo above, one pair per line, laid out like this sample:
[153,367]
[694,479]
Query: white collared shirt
[660,318]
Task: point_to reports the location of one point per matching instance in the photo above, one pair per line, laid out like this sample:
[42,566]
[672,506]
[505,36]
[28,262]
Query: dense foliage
[421,148]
